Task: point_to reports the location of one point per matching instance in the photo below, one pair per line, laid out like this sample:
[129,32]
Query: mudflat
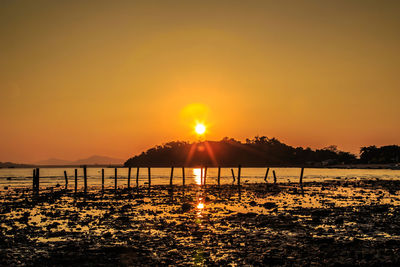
[336,222]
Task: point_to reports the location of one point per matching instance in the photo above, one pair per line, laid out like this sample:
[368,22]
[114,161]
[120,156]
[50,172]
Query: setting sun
[200,128]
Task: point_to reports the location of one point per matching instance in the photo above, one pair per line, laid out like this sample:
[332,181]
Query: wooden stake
[171,190]
[76,180]
[301,176]
[201,176]
[239,171]
[129,178]
[219,177]
[137,179]
[102,180]
[66,180]
[273,172]
[171,177]
[115,180]
[149,177]
[183,176]
[301,181]
[33,180]
[84,179]
[266,175]
[37,179]
[233,176]
[205,175]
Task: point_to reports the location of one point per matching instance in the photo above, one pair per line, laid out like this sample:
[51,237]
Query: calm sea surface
[18,178]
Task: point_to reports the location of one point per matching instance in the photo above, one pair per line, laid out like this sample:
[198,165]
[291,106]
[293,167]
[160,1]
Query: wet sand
[331,223]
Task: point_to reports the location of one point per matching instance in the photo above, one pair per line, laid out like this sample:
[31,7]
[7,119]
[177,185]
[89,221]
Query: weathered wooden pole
[33,180]
[219,176]
[171,177]
[129,178]
[239,171]
[115,180]
[102,180]
[201,176]
[301,181]
[266,175]
[137,179]
[66,180]
[84,179]
[171,189]
[233,176]
[273,172]
[301,177]
[205,176]
[149,178]
[183,176]
[37,180]
[76,180]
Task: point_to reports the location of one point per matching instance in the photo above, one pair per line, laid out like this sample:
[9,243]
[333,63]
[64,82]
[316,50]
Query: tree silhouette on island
[256,152]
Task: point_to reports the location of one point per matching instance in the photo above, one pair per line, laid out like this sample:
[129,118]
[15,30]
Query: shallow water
[22,177]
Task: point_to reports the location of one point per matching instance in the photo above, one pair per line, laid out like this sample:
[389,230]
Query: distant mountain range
[12,165]
[93,160]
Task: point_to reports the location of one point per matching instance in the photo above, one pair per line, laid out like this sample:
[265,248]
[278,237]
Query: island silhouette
[257,152]
[228,152]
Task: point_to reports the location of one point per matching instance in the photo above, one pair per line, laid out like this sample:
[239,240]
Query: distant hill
[99,160]
[54,161]
[93,160]
[12,165]
[260,151]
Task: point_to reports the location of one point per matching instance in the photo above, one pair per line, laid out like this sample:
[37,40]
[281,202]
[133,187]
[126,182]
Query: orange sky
[117,77]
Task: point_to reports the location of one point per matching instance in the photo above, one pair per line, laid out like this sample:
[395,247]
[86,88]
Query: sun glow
[200,128]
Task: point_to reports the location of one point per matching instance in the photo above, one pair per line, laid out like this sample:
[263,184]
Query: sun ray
[211,153]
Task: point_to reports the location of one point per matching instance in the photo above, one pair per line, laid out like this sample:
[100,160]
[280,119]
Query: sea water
[49,177]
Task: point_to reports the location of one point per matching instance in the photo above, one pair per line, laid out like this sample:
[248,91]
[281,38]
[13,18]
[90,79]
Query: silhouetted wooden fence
[203,179]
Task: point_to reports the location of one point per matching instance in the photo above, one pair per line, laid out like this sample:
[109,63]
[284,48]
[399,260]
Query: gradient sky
[115,78]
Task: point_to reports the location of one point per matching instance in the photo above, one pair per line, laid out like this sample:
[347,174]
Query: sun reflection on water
[200,206]
[200,209]
[197,176]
